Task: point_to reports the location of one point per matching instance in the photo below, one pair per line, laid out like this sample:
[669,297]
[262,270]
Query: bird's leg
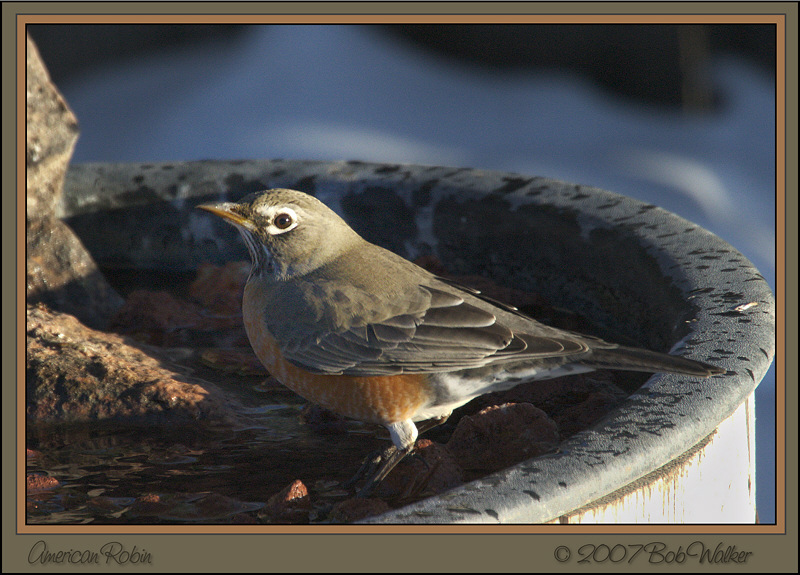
[370,465]
[404,434]
[386,466]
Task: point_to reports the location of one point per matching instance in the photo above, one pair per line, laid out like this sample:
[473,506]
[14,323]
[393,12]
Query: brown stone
[149,504]
[500,436]
[159,318]
[557,397]
[52,131]
[219,289]
[62,274]
[77,374]
[59,271]
[291,505]
[428,470]
[36,483]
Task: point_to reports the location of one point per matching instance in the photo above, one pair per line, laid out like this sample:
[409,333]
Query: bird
[362,331]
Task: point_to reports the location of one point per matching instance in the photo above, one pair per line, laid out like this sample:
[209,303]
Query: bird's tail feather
[635,359]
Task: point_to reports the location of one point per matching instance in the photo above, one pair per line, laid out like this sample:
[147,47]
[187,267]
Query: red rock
[149,504]
[155,311]
[557,397]
[290,505]
[77,374]
[500,436]
[428,470]
[219,289]
[36,483]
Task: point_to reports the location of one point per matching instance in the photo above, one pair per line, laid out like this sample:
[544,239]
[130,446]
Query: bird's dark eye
[283,221]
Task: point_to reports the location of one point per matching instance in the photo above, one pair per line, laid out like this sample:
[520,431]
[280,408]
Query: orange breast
[377,399]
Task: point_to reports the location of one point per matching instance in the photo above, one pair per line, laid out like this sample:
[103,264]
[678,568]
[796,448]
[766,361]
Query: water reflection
[191,474]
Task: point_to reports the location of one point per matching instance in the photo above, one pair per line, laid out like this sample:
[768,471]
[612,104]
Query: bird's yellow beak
[225,210]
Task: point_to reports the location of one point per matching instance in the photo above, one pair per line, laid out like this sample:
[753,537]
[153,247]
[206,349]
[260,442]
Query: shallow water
[109,474]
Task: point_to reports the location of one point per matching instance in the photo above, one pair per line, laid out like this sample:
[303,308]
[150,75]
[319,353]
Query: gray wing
[448,333]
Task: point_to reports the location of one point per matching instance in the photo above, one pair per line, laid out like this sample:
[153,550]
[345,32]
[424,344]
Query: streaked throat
[262,262]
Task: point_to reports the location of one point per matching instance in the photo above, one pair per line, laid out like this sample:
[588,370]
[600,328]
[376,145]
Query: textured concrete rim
[733,323]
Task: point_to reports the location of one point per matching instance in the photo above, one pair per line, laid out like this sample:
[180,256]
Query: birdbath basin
[644,277]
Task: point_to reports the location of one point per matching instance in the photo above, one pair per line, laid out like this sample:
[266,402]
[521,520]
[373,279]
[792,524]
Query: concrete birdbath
[642,275]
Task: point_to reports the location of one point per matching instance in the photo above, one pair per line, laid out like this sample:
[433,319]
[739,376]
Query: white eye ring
[281,219]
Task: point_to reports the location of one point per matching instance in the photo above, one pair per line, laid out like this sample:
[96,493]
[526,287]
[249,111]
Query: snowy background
[362,93]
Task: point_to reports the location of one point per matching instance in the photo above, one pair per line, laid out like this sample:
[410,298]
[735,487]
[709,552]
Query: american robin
[363,332]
